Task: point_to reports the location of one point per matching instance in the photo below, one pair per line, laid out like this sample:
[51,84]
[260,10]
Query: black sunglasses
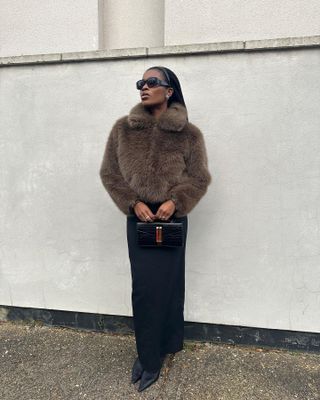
[151,82]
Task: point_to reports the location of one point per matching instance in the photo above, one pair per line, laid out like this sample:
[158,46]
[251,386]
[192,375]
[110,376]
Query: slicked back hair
[171,78]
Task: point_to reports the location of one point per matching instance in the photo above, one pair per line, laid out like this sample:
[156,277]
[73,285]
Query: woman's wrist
[132,205]
[135,202]
[174,200]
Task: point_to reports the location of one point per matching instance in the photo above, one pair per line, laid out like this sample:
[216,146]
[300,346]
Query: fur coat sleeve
[188,193]
[120,192]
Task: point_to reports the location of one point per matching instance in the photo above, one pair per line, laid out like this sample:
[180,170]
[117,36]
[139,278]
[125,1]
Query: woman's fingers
[165,210]
[143,212]
[163,216]
[147,218]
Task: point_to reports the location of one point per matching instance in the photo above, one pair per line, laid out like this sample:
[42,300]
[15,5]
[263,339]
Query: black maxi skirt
[158,295]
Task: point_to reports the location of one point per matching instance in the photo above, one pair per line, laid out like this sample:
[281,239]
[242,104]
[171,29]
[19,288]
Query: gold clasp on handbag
[158,234]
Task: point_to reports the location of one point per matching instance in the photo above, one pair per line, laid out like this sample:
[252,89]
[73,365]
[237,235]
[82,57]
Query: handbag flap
[171,233]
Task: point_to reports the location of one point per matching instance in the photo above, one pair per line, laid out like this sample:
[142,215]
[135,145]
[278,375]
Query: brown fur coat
[155,160]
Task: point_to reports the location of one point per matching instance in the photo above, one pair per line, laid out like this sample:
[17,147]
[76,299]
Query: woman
[155,167]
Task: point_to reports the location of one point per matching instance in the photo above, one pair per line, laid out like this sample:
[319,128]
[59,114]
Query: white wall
[57,26]
[253,241]
[188,21]
[132,23]
[49,26]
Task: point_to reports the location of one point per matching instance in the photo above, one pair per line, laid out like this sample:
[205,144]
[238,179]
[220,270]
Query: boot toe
[136,371]
[147,379]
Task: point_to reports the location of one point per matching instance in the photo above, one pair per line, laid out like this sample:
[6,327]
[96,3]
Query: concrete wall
[253,242]
[35,26]
[188,21]
[50,26]
[132,23]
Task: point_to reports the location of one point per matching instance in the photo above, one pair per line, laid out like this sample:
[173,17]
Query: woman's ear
[170,91]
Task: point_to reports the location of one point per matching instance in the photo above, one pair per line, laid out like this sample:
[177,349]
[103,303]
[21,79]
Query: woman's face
[157,95]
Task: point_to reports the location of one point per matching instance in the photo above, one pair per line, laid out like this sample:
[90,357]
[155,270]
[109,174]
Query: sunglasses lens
[152,82]
[140,84]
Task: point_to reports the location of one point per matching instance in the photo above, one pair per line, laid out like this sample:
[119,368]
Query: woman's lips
[144,96]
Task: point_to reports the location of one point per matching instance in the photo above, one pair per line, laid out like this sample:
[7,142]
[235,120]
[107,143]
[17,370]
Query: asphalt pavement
[53,363]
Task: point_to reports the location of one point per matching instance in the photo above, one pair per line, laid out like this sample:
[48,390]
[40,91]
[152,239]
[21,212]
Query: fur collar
[173,119]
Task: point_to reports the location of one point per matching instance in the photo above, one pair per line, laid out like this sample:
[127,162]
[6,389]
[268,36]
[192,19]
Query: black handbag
[160,234]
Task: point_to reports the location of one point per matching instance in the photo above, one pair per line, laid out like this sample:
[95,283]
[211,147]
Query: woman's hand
[143,212]
[166,210]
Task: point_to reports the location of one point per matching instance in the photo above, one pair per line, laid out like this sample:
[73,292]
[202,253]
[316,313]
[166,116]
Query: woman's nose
[145,84]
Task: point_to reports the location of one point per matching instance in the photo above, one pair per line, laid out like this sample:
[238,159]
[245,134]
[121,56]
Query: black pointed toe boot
[147,379]
[136,371]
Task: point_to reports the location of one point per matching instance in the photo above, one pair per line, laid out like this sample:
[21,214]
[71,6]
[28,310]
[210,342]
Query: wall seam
[290,43]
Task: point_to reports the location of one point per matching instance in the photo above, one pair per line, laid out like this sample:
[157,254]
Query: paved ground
[41,362]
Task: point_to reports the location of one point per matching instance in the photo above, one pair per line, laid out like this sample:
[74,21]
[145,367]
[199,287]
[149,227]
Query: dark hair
[172,79]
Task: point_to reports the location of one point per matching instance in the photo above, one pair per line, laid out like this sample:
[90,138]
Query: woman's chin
[149,103]
[145,100]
